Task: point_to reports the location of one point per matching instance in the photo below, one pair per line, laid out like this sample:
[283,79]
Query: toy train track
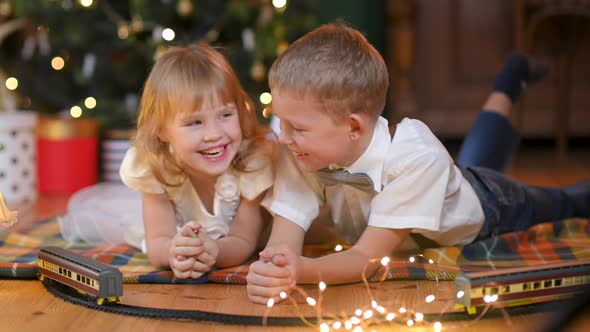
[95,285]
[70,295]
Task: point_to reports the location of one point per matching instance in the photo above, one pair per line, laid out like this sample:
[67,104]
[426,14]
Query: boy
[329,89]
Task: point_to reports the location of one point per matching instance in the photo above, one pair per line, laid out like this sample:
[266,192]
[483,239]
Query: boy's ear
[357,125]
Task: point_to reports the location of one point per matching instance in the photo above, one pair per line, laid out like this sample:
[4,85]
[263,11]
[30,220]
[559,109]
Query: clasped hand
[192,252]
[273,273]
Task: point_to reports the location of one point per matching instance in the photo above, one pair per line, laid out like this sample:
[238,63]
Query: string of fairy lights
[124,29]
[376,314]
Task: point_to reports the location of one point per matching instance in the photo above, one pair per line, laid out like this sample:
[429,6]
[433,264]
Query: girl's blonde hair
[180,81]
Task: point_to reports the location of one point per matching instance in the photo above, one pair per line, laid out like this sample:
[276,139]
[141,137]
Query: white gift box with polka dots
[18,156]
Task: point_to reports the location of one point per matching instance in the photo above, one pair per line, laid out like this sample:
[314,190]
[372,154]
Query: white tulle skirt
[106,213]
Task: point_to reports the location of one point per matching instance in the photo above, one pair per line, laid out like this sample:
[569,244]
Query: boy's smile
[315,139]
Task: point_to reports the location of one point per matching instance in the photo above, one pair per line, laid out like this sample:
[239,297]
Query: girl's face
[205,141]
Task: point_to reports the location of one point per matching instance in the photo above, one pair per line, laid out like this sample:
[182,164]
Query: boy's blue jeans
[509,205]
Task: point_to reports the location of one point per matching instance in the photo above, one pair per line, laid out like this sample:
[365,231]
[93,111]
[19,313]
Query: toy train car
[522,285]
[101,281]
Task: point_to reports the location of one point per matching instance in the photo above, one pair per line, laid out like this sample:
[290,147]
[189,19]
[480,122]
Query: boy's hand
[206,260]
[274,273]
[184,248]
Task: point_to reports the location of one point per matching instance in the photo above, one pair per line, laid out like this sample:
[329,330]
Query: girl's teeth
[212,153]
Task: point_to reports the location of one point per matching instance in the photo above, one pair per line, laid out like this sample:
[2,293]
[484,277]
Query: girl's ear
[163,137]
[357,126]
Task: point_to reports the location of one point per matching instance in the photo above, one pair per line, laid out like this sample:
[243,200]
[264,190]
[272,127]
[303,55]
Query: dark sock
[519,71]
[513,76]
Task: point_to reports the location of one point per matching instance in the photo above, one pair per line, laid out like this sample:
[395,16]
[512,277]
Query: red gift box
[67,155]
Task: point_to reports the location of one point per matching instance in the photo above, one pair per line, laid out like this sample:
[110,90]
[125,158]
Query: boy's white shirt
[417,186]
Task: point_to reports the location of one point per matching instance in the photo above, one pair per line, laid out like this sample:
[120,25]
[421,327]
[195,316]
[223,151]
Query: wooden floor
[26,305]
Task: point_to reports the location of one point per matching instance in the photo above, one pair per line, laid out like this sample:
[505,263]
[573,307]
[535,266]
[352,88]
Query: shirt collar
[372,160]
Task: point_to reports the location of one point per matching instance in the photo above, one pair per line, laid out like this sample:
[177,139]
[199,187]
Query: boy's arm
[348,266]
[242,239]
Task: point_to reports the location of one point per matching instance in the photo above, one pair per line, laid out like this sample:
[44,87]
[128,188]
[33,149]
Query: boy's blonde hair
[182,79]
[336,65]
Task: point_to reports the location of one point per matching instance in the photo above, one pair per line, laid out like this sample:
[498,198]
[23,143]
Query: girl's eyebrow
[229,106]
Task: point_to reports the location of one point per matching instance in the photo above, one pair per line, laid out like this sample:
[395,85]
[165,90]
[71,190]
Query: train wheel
[114,299]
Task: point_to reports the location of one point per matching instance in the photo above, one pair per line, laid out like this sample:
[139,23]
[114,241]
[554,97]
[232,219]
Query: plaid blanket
[545,243]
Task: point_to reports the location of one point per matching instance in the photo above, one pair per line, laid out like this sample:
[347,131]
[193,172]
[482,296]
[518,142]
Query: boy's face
[315,139]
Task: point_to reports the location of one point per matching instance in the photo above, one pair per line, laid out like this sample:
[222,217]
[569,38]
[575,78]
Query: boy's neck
[361,145]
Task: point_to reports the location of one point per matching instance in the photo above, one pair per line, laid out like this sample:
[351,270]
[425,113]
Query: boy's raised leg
[493,139]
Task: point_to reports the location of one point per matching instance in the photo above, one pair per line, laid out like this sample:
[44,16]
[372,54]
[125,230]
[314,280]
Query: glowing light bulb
[357,329]
[11,83]
[410,322]
[336,325]
[437,326]
[76,111]
[358,312]
[283,295]
[168,34]
[390,316]
[347,325]
[338,248]
[311,301]
[322,286]
[402,310]
[86,3]
[380,309]
[385,261]
[355,320]
[123,31]
[460,294]
[265,98]
[419,316]
[279,3]
[90,102]
[324,327]
[430,298]
[368,314]
[58,63]
[270,303]
[412,259]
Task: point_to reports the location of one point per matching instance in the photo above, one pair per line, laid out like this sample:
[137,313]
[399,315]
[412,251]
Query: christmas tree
[90,58]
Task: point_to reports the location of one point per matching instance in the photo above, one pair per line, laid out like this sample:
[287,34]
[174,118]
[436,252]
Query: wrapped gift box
[18,178]
[67,154]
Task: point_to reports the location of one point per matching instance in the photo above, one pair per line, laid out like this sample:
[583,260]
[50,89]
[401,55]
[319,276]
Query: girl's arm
[159,220]
[242,239]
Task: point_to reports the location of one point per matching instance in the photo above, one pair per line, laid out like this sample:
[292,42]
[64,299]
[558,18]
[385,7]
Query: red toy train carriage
[88,276]
[522,285]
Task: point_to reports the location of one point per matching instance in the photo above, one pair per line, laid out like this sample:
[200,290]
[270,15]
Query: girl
[201,161]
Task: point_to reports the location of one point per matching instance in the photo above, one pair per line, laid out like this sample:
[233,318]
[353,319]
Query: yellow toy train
[90,277]
[521,285]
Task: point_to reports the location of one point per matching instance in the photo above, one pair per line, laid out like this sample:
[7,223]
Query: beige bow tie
[359,181]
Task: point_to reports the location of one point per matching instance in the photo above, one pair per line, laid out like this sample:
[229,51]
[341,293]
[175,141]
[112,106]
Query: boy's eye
[194,123]
[228,114]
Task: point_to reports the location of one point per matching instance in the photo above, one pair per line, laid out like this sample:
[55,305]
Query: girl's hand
[206,260]
[274,273]
[184,249]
